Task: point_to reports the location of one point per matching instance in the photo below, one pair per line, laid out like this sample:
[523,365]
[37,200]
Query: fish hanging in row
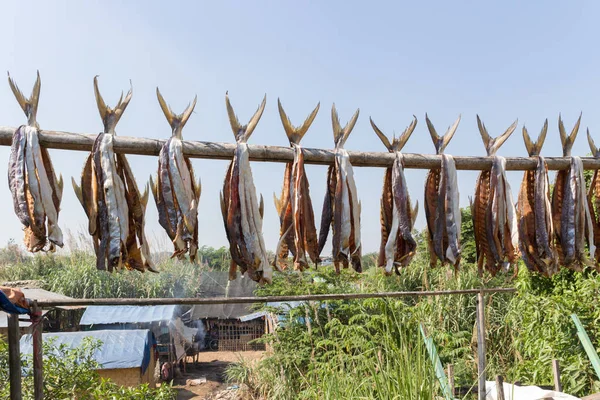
[494,215]
[111,199]
[536,229]
[397,217]
[35,189]
[341,207]
[175,191]
[570,212]
[594,202]
[298,232]
[442,209]
[242,213]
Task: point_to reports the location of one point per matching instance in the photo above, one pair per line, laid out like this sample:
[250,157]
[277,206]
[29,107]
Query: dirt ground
[211,365]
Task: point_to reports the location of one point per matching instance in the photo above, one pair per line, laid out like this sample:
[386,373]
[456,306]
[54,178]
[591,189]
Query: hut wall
[235,335]
[131,376]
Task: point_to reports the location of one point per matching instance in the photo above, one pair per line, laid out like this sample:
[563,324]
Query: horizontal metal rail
[263,299]
[225,151]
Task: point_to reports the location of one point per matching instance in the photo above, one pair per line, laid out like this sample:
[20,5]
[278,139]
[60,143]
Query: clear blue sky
[504,60]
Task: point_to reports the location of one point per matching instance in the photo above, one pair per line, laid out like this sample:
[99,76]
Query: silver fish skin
[453,216]
[543,217]
[568,231]
[16,175]
[32,180]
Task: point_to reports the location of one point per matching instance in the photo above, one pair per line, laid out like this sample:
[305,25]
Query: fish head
[110,117]
[242,132]
[28,105]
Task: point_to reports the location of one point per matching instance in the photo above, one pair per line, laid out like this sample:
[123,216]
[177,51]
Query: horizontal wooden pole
[225,151]
[264,299]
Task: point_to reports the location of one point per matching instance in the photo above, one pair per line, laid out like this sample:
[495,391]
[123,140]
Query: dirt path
[211,365]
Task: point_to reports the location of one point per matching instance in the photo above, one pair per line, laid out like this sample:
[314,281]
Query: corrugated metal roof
[97,315]
[217,284]
[127,348]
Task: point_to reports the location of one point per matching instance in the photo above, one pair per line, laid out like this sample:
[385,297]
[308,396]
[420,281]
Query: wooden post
[451,378]
[481,344]
[556,373]
[14,357]
[38,353]
[499,387]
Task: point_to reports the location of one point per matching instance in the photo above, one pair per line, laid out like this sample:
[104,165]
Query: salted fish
[34,187]
[176,192]
[536,229]
[298,232]
[594,204]
[398,245]
[111,199]
[341,206]
[494,215]
[442,208]
[242,212]
[571,215]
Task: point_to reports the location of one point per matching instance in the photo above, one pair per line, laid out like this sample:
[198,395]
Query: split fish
[175,191]
[442,208]
[494,215]
[298,232]
[398,245]
[35,189]
[111,199]
[341,207]
[242,212]
[571,214]
[536,229]
[594,204]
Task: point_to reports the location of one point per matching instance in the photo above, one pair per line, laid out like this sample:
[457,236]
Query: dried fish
[341,207]
[397,216]
[35,190]
[570,212]
[111,199]
[242,213]
[442,208]
[176,192]
[494,215]
[294,207]
[594,204]
[536,229]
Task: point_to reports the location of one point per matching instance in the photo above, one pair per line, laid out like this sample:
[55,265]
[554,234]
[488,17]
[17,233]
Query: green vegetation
[71,374]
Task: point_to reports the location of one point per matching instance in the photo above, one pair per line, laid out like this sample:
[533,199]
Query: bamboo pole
[225,151]
[556,373]
[451,378]
[38,354]
[264,299]
[499,387]
[14,357]
[481,345]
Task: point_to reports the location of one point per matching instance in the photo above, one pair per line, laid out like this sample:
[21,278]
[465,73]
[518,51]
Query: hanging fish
[111,199]
[442,209]
[494,216]
[397,215]
[35,190]
[176,191]
[570,212]
[298,232]
[242,213]
[594,203]
[536,230]
[341,207]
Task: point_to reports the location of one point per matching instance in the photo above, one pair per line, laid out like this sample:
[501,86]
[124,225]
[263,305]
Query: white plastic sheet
[512,392]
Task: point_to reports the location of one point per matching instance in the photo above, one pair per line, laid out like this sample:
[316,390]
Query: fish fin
[335,121]
[78,192]
[59,186]
[593,148]
[399,143]
[381,135]
[529,145]
[223,207]
[415,212]
[233,119]
[277,203]
[542,137]
[308,122]
[567,141]
[144,198]
[261,207]
[102,108]
[485,136]
[165,108]
[122,104]
[450,133]
[349,126]
[188,111]
[499,141]
[198,188]
[242,133]
[340,135]
[153,187]
[255,118]
[28,105]
[295,134]
[437,141]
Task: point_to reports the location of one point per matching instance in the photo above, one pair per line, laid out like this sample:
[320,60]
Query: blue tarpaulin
[127,348]
[9,307]
[103,315]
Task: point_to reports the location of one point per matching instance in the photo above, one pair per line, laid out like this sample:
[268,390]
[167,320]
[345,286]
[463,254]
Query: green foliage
[71,374]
